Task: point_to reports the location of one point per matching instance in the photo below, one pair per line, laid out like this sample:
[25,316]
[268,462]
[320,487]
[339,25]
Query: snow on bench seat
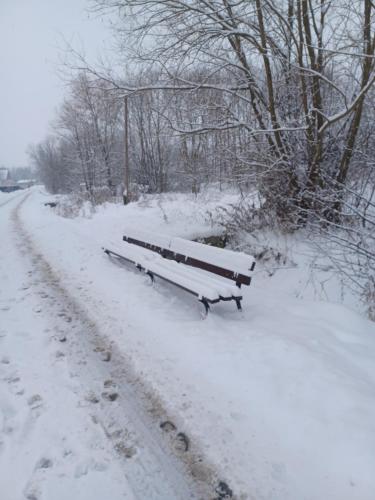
[200,279]
[237,263]
[183,280]
[197,282]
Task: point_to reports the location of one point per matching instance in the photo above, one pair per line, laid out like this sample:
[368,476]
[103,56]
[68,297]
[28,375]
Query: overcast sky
[31,34]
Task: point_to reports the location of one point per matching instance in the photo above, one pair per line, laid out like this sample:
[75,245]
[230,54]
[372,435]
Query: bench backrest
[236,266]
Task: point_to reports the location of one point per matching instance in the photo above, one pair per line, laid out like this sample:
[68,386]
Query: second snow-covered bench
[204,271]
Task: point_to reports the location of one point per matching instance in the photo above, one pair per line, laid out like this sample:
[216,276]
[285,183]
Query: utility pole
[126,194]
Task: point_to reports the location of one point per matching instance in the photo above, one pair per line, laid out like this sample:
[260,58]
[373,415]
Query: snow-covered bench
[236,266]
[199,269]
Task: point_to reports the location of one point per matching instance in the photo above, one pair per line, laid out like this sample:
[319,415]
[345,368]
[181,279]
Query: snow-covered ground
[278,400]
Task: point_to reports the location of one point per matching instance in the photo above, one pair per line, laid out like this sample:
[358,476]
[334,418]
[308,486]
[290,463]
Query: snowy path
[70,420]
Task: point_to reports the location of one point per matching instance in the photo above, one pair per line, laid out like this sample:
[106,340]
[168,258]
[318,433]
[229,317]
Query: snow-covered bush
[75,205]
[349,241]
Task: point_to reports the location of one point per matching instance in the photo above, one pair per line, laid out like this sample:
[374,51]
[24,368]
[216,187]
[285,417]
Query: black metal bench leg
[152,277]
[238,304]
[206,305]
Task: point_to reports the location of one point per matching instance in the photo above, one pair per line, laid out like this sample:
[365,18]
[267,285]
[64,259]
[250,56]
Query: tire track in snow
[155,465]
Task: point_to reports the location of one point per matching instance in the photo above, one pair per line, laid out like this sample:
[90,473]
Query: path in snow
[56,364]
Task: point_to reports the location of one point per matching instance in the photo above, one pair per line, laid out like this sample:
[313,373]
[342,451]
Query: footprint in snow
[125,450]
[12,379]
[106,356]
[13,382]
[7,425]
[223,491]
[32,492]
[35,401]
[92,398]
[109,383]
[32,489]
[110,396]
[116,434]
[8,429]
[167,426]
[182,442]
[84,467]
[44,463]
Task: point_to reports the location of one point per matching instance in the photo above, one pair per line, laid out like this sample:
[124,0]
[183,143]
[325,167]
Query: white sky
[31,39]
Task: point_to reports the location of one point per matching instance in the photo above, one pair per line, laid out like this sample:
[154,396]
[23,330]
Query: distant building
[6,183]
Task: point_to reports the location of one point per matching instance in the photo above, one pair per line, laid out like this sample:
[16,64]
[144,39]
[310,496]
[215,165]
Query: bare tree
[50,167]
[89,120]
